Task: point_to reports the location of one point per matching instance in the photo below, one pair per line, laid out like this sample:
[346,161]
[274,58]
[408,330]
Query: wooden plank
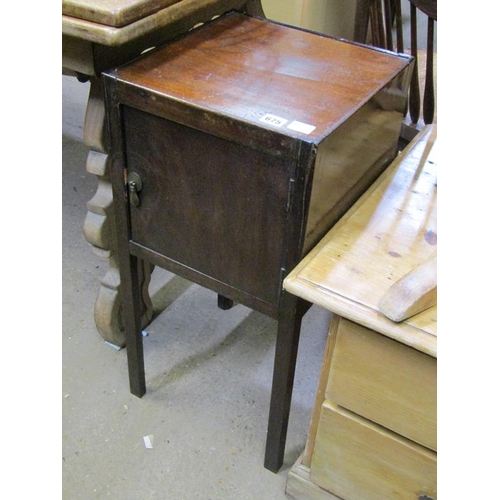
[113,12]
[177,18]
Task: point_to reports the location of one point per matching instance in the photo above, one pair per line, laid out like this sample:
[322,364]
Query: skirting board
[300,487]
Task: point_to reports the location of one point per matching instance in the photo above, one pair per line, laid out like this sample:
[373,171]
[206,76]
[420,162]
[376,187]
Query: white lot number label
[274,120]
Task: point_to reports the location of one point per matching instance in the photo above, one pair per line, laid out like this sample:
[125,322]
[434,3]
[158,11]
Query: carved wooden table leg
[99,228]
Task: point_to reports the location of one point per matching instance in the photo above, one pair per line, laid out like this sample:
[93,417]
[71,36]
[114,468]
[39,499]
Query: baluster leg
[99,228]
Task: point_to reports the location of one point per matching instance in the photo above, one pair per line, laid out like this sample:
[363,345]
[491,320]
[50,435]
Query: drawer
[357,459]
[385,381]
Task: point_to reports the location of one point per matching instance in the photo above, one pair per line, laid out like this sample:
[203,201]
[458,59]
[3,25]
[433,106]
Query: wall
[334,17]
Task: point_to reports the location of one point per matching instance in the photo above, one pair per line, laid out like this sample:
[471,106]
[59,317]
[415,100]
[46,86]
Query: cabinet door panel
[210,204]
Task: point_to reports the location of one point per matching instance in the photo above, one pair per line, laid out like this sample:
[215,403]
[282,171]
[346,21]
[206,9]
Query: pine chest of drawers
[235,148]
[373,433]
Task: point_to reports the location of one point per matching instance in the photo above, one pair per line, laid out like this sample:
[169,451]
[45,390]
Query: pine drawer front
[356,459]
[386,382]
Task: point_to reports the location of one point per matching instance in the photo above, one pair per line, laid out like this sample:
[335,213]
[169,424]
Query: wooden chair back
[380,23]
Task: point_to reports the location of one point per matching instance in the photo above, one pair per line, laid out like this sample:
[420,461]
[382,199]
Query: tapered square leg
[287,343]
[224,303]
[133,327]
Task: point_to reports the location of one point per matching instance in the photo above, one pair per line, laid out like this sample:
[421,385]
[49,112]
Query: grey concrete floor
[208,376]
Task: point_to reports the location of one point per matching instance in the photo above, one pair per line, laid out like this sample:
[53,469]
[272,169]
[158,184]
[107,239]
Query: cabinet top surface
[386,234]
[294,82]
[114,13]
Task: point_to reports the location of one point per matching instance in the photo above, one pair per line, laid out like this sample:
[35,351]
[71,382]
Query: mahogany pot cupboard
[235,148]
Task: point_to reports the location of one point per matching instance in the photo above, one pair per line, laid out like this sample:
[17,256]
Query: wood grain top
[386,234]
[113,12]
[79,21]
[292,81]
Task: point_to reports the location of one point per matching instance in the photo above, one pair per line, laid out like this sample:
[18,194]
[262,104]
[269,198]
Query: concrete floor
[208,376]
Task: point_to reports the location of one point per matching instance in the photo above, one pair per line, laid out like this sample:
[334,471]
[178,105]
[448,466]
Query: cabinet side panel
[348,161]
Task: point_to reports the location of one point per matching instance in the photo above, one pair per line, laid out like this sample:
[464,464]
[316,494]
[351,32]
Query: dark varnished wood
[428,7]
[429,96]
[417,104]
[264,68]
[233,239]
[287,342]
[230,201]
[224,303]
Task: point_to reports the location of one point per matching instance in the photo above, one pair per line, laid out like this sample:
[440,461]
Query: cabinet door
[209,204]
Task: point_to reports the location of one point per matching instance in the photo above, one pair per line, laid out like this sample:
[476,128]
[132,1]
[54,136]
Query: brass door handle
[134,188]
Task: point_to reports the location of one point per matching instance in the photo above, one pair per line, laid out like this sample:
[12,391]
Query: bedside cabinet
[235,148]
[373,431]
